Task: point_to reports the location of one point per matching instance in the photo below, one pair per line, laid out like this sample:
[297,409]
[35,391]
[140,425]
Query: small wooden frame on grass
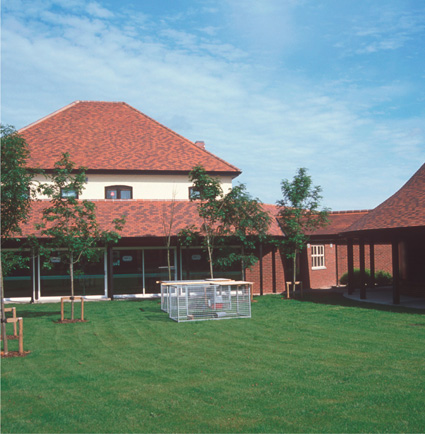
[20,336]
[288,284]
[63,299]
[13,310]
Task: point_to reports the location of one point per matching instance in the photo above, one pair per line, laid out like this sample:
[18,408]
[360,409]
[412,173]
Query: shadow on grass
[152,312]
[338,299]
[32,314]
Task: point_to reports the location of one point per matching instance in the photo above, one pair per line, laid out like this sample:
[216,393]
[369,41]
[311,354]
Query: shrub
[382,278]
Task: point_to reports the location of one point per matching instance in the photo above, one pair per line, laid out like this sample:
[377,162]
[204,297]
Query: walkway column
[336,264]
[261,268]
[350,265]
[110,272]
[34,276]
[274,268]
[396,272]
[362,270]
[372,263]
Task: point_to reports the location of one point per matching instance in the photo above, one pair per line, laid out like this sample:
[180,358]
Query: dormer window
[118,192]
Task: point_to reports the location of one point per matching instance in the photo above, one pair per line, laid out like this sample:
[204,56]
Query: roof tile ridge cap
[50,115]
[135,200]
[355,211]
[182,137]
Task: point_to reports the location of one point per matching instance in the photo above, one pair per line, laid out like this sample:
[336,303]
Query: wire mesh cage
[196,301]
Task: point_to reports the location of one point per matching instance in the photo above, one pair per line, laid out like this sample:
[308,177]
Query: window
[118,192]
[67,193]
[193,194]
[317,257]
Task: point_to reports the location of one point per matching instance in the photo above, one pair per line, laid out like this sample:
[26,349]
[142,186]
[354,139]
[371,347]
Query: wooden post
[362,270]
[21,332]
[110,272]
[288,284]
[63,299]
[274,268]
[13,310]
[21,335]
[372,263]
[261,268]
[336,264]
[350,265]
[396,272]
[62,310]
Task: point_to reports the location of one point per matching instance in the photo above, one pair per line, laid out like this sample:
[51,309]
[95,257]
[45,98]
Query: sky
[335,86]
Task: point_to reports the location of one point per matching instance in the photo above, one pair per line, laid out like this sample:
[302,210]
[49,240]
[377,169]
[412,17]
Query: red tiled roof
[405,208]
[114,136]
[144,218]
[339,221]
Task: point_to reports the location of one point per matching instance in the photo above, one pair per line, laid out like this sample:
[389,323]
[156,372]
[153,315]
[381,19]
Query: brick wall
[335,267]
[336,263]
[253,275]
[323,277]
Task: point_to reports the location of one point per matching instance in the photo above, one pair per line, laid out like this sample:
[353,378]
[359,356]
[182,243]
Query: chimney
[200,144]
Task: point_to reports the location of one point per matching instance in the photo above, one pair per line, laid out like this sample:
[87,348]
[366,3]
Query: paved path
[385,296]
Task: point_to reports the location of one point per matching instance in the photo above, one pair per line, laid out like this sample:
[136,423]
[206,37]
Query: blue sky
[336,86]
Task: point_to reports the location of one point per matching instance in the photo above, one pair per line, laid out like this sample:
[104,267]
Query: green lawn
[323,364]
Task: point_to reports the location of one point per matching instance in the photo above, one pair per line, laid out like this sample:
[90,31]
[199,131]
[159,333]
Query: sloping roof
[144,218]
[404,209]
[338,222]
[114,136]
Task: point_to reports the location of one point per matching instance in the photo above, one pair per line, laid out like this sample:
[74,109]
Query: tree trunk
[243,263]
[71,273]
[210,258]
[168,262]
[3,314]
[294,272]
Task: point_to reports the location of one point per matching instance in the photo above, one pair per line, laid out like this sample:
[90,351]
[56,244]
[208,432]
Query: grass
[324,364]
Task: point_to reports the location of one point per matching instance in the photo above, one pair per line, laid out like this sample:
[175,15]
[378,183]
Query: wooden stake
[62,310]
[13,310]
[21,335]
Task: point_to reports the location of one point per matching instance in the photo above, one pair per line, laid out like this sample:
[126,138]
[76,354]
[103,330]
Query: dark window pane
[118,192]
[128,268]
[111,194]
[125,194]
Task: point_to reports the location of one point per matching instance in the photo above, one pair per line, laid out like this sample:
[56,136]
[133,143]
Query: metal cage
[203,300]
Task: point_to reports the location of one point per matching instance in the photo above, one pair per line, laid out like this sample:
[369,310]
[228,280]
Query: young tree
[299,213]
[234,216]
[167,226]
[69,223]
[247,223]
[15,202]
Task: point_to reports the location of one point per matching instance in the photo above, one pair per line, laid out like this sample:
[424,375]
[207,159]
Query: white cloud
[95,9]
[207,89]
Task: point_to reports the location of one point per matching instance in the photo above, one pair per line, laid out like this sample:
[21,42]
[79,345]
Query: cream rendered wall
[144,186]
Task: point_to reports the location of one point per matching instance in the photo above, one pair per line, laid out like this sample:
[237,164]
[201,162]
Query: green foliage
[15,182]
[233,218]
[69,223]
[299,214]
[382,278]
[15,200]
[299,211]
